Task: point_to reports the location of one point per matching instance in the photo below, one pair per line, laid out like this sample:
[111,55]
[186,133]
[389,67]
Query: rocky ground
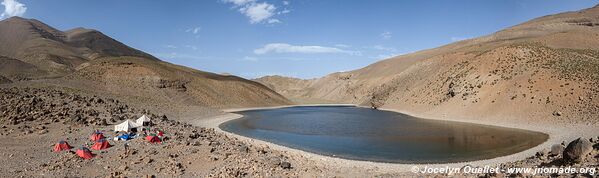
[580,153]
[33,120]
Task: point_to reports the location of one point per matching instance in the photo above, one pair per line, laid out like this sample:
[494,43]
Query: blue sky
[299,38]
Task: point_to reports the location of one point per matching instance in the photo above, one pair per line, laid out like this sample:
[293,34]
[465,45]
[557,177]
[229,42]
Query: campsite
[125,131]
[183,150]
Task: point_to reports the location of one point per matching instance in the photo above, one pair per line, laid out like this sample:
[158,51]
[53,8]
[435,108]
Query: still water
[383,136]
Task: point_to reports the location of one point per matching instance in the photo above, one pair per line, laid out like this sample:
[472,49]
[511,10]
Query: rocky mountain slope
[547,69]
[33,53]
[33,120]
[53,51]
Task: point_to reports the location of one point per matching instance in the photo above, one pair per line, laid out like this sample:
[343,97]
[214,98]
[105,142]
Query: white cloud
[171,46]
[285,2]
[239,2]
[287,48]
[12,8]
[342,45]
[274,21]
[386,35]
[195,48]
[284,11]
[257,12]
[383,48]
[192,47]
[194,30]
[248,58]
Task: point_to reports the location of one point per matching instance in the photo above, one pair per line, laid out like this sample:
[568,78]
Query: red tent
[101,144]
[97,136]
[84,153]
[61,146]
[153,139]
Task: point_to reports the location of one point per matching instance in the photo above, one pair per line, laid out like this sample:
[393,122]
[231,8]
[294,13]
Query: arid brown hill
[53,51]
[85,59]
[547,68]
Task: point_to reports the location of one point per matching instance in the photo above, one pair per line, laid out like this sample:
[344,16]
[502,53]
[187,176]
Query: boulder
[123,168]
[197,143]
[577,150]
[194,135]
[556,149]
[243,148]
[102,122]
[274,161]
[285,165]
[261,151]
[557,113]
[542,154]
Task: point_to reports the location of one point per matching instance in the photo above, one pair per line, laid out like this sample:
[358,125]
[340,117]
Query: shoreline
[283,106]
[556,134]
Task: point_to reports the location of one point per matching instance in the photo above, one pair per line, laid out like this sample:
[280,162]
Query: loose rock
[577,150]
[286,165]
[556,149]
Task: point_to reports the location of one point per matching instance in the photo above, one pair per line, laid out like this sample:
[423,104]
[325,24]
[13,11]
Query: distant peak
[23,24]
[78,29]
[592,9]
[16,18]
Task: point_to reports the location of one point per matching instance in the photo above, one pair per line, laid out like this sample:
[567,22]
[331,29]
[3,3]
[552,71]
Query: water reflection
[366,134]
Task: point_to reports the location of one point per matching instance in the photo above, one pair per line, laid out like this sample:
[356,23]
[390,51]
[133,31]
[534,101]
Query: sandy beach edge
[557,134]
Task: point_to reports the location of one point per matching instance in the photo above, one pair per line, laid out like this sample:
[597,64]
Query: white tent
[126,126]
[142,120]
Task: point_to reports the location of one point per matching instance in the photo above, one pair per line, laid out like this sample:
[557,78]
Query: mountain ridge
[55,51]
[33,53]
[475,78]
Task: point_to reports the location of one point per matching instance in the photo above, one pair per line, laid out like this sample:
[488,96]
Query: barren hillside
[35,54]
[55,52]
[546,69]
